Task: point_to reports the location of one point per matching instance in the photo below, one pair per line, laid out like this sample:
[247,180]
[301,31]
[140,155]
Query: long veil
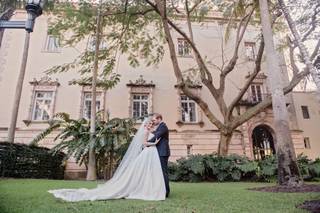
[132,152]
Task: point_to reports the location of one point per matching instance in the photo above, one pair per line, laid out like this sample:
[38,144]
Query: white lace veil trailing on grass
[133,150]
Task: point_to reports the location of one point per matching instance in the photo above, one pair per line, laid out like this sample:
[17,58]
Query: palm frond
[62,115]
[43,134]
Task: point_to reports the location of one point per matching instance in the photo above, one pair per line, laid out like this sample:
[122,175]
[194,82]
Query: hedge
[23,161]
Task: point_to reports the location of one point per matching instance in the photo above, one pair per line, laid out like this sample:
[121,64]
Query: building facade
[144,90]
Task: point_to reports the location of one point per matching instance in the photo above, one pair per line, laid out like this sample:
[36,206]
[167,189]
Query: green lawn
[29,195]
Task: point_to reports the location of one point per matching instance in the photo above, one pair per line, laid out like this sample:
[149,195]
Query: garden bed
[286,189]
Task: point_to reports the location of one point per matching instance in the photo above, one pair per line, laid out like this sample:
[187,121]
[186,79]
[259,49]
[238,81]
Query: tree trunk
[288,173]
[224,143]
[92,171]
[105,172]
[19,86]
[111,163]
[303,50]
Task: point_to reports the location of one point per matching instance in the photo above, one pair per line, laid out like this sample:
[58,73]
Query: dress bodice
[150,136]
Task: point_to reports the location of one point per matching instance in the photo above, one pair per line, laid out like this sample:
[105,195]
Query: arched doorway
[262,142]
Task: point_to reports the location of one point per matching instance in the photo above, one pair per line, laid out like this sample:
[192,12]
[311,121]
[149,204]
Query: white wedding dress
[139,176]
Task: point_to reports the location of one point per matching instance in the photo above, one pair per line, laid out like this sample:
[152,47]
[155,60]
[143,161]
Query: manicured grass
[29,195]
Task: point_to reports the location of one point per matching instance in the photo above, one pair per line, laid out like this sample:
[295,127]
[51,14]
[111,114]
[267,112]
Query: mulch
[287,189]
[311,205]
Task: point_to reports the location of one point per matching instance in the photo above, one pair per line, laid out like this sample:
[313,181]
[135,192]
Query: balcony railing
[253,100]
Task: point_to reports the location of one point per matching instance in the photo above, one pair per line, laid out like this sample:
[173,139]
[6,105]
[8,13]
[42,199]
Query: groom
[162,132]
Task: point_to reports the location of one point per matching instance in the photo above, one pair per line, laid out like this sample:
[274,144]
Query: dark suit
[163,150]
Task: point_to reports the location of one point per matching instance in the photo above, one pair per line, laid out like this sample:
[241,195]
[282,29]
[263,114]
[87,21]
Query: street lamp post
[34,9]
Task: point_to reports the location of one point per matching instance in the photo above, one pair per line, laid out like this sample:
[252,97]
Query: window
[307,143]
[305,112]
[140,98]
[250,50]
[140,105]
[256,93]
[42,105]
[87,99]
[92,43]
[52,44]
[43,98]
[189,149]
[188,110]
[184,48]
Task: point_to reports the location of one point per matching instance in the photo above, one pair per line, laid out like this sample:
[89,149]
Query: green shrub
[212,167]
[309,169]
[197,168]
[303,163]
[267,168]
[314,168]
[23,161]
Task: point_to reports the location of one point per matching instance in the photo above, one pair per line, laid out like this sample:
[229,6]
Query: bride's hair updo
[147,122]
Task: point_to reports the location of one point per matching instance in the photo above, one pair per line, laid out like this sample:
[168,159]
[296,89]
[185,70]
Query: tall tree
[92,173]
[288,171]
[240,13]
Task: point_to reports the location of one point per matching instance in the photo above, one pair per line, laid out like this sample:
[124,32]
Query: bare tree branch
[303,50]
[240,33]
[251,77]
[313,24]
[267,102]
[208,83]
[161,9]
[315,51]
[294,66]
[194,6]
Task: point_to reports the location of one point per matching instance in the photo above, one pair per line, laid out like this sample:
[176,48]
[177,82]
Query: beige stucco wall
[310,127]
[204,139]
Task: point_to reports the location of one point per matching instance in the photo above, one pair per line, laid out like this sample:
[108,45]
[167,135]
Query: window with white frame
[86,104]
[184,48]
[250,50]
[188,109]
[256,93]
[42,105]
[52,44]
[140,105]
[92,44]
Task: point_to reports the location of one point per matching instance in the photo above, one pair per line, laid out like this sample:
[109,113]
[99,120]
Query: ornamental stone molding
[45,81]
[140,86]
[140,82]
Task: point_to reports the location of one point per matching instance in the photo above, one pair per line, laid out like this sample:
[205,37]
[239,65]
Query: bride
[139,175]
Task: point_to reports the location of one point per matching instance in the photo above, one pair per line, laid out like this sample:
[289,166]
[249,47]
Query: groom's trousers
[164,166]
